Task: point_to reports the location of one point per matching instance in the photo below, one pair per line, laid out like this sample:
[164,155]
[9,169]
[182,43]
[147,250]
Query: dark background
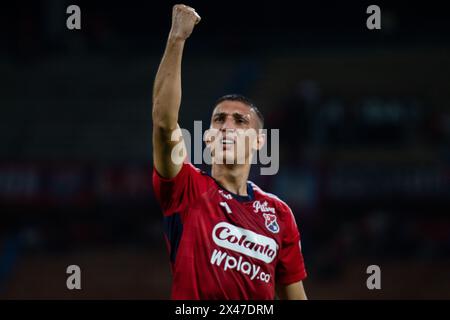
[364,119]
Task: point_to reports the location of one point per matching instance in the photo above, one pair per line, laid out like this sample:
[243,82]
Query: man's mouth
[227,141]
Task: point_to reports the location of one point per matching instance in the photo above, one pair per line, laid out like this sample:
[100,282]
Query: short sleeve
[290,267]
[176,194]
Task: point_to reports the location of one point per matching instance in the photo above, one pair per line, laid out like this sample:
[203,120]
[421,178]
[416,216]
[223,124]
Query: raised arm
[167,93]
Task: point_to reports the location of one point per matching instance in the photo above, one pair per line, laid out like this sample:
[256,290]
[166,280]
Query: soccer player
[227,238]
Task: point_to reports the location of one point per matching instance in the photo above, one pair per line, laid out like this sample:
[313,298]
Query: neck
[232,177]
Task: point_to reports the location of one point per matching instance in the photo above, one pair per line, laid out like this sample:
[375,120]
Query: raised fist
[184,19]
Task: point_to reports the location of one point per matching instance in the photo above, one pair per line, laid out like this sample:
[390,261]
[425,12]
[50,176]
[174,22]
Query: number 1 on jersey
[225,205]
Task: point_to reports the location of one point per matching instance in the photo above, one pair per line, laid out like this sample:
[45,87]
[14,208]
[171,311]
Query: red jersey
[226,246]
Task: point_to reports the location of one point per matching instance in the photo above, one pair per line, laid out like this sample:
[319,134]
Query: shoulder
[196,175]
[272,204]
[189,176]
[190,167]
[187,169]
[281,207]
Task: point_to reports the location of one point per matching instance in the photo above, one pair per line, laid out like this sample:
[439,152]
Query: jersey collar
[250,194]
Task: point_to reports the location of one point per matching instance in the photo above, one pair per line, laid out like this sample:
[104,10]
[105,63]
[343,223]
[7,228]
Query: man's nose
[227,124]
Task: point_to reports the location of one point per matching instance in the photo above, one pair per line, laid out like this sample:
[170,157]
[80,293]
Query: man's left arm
[290,269]
[293,291]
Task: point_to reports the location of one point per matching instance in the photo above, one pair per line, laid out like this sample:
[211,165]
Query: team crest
[271,222]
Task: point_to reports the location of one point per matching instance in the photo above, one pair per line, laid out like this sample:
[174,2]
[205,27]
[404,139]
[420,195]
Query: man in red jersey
[227,238]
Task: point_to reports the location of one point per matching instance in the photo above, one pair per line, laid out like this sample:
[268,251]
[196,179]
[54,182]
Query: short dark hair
[244,100]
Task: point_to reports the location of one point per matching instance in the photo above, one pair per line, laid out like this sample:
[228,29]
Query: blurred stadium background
[365,132]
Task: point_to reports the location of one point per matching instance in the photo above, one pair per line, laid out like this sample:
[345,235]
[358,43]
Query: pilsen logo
[245,241]
[258,206]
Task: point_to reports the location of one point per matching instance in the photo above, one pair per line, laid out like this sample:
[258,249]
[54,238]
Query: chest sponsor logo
[245,241]
[262,207]
[229,262]
[271,222]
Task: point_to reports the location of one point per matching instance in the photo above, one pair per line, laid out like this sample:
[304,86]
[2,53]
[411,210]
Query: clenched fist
[184,19]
